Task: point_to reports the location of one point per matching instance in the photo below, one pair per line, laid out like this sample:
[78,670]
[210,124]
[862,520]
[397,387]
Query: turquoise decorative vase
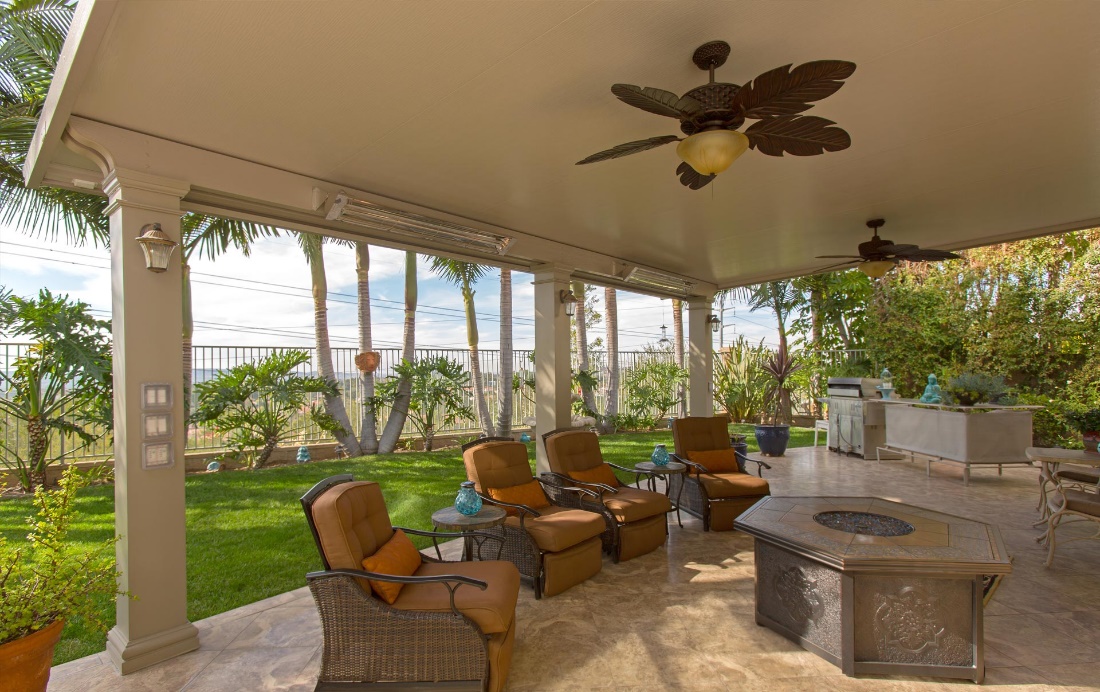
[467,501]
[303,454]
[659,456]
[524,438]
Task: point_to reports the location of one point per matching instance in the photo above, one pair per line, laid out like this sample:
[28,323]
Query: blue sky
[232,307]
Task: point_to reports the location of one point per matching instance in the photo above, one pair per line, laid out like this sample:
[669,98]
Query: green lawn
[246,536]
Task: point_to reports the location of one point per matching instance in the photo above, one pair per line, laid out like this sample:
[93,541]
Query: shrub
[653,388]
[740,380]
[436,394]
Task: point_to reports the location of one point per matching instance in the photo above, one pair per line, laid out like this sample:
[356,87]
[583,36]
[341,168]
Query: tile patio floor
[681,618]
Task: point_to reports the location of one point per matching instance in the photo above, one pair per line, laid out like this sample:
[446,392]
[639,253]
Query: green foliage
[60,385]
[969,388]
[253,403]
[1084,420]
[831,310]
[46,580]
[653,388]
[436,400]
[740,380]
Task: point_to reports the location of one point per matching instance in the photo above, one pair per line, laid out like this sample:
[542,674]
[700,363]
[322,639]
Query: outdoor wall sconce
[714,323]
[569,301]
[157,247]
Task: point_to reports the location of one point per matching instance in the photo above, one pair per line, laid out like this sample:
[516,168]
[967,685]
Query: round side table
[450,519]
[669,469]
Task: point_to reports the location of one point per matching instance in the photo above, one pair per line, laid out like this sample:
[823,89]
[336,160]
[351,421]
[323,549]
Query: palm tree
[504,382]
[463,275]
[313,246]
[611,391]
[781,297]
[678,347]
[400,411]
[588,396]
[209,236]
[368,421]
[32,33]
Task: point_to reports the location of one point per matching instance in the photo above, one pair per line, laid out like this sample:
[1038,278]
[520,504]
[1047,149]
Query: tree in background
[60,385]
[435,399]
[399,409]
[678,349]
[464,275]
[368,420]
[611,391]
[504,382]
[585,376]
[253,404]
[313,247]
[780,297]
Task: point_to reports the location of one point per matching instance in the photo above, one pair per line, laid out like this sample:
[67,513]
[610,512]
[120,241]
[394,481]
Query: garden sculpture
[303,454]
[931,392]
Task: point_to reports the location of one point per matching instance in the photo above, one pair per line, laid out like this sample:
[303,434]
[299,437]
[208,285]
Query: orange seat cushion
[397,557]
[717,460]
[530,494]
[596,474]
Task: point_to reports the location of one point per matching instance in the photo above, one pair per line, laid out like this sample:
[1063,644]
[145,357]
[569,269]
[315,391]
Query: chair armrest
[501,503]
[570,488]
[602,486]
[634,471]
[692,466]
[761,465]
[445,579]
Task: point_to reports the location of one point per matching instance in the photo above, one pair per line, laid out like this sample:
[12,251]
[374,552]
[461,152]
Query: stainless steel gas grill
[857,423]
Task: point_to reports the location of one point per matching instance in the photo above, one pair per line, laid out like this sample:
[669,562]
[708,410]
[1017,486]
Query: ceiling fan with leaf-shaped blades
[711,114]
[877,256]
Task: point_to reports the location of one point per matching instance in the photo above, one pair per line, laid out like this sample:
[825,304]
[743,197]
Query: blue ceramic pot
[467,501]
[772,439]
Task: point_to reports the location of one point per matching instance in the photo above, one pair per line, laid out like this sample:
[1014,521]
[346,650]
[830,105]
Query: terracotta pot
[368,361]
[1092,441]
[26,662]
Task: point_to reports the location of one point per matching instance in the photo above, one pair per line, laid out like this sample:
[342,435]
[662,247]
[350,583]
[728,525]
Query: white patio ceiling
[971,122]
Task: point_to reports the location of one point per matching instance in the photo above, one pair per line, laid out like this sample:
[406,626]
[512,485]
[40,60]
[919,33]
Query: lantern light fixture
[714,322]
[569,301]
[157,246]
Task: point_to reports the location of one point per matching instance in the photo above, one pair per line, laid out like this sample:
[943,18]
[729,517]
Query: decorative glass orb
[467,501]
[213,466]
[659,456]
[303,454]
[713,151]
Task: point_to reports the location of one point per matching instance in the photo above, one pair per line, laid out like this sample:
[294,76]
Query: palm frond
[211,236]
[457,272]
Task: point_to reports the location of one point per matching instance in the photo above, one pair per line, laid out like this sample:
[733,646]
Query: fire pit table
[875,587]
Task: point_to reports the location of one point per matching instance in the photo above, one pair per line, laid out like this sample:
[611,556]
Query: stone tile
[169,675]
[1038,639]
[215,635]
[1079,674]
[254,669]
[284,627]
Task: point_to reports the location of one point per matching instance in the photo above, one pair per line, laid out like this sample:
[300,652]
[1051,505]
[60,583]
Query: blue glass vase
[467,501]
[659,456]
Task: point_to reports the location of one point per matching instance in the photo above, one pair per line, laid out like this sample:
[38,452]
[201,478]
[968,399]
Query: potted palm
[1087,422]
[45,582]
[772,439]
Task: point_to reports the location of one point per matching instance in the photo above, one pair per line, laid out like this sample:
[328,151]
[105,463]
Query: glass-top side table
[450,519]
[671,468]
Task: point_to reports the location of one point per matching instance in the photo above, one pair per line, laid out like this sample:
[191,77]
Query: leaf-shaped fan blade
[657,101]
[927,255]
[629,148]
[689,177]
[896,249]
[783,91]
[800,135]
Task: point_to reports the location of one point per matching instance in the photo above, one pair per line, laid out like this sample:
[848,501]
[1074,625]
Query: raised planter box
[963,435]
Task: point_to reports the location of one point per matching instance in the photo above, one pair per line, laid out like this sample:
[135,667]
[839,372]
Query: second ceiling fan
[878,256]
[711,114]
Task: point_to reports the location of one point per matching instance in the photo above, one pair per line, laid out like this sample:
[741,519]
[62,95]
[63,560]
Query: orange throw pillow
[530,494]
[599,474]
[399,557]
[717,460]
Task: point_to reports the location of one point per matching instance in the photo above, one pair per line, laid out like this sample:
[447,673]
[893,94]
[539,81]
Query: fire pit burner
[864,523]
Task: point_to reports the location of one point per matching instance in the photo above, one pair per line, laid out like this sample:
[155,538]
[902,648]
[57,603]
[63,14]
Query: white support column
[147,325]
[552,367]
[700,357]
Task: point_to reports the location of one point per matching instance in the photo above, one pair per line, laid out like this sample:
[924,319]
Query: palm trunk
[484,418]
[587,395]
[816,336]
[38,442]
[368,423]
[504,384]
[611,393]
[400,411]
[678,348]
[334,405]
[265,453]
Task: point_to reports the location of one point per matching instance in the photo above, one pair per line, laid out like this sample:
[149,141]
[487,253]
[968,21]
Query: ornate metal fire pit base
[894,590]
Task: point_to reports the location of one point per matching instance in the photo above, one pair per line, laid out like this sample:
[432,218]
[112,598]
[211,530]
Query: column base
[129,656]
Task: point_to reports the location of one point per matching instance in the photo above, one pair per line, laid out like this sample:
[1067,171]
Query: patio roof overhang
[971,122]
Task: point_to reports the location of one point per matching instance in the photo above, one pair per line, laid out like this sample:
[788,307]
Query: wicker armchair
[554,547]
[635,519]
[716,498]
[452,622]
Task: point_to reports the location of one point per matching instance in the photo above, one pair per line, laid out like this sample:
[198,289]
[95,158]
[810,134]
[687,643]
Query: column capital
[130,188]
[704,301]
[551,272]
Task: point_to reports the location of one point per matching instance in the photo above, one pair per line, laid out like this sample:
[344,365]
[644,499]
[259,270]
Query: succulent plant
[971,388]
